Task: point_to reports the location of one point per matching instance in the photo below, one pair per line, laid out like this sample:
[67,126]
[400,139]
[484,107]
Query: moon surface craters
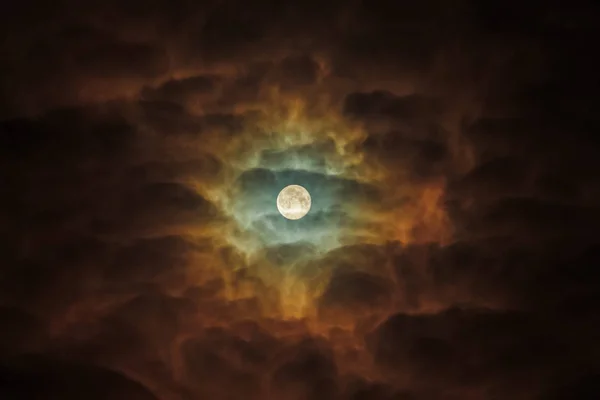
[293,202]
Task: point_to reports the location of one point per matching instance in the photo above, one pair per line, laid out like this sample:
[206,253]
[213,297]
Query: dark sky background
[453,150]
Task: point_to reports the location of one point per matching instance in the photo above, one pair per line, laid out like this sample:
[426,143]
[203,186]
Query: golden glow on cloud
[356,200]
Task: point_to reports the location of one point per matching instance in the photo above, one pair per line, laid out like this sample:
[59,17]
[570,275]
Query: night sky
[451,149]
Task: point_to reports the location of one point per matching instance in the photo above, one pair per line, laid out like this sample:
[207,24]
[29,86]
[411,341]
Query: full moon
[293,202]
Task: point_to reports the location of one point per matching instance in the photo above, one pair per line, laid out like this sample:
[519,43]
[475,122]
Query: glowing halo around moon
[293,202]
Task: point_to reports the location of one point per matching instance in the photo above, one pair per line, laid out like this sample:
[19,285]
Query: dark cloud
[583,388]
[203,166]
[355,290]
[486,349]
[65,64]
[149,259]
[309,373]
[145,206]
[68,135]
[358,389]
[423,158]
[178,90]
[219,358]
[156,312]
[168,118]
[300,70]
[168,115]
[30,378]
[21,330]
[382,104]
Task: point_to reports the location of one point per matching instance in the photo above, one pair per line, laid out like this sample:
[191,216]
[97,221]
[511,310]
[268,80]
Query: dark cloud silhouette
[32,378]
[308,373]
[148,259]
[355,290]
[477,349]
[180,90]
[300,70]
[381,104]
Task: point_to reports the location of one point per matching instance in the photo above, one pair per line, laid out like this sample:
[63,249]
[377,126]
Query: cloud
[145,207]
[35,377]
[181,90]
[148,259]
[309,373]
[450,153]
[355,291]
[474,349]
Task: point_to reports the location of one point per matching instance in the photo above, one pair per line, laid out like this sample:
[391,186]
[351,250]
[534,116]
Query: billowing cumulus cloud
[450,152]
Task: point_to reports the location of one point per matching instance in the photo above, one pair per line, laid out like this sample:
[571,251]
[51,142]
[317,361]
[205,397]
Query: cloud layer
[449,150]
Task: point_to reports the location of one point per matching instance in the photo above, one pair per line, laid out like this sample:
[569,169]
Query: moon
[293,202]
